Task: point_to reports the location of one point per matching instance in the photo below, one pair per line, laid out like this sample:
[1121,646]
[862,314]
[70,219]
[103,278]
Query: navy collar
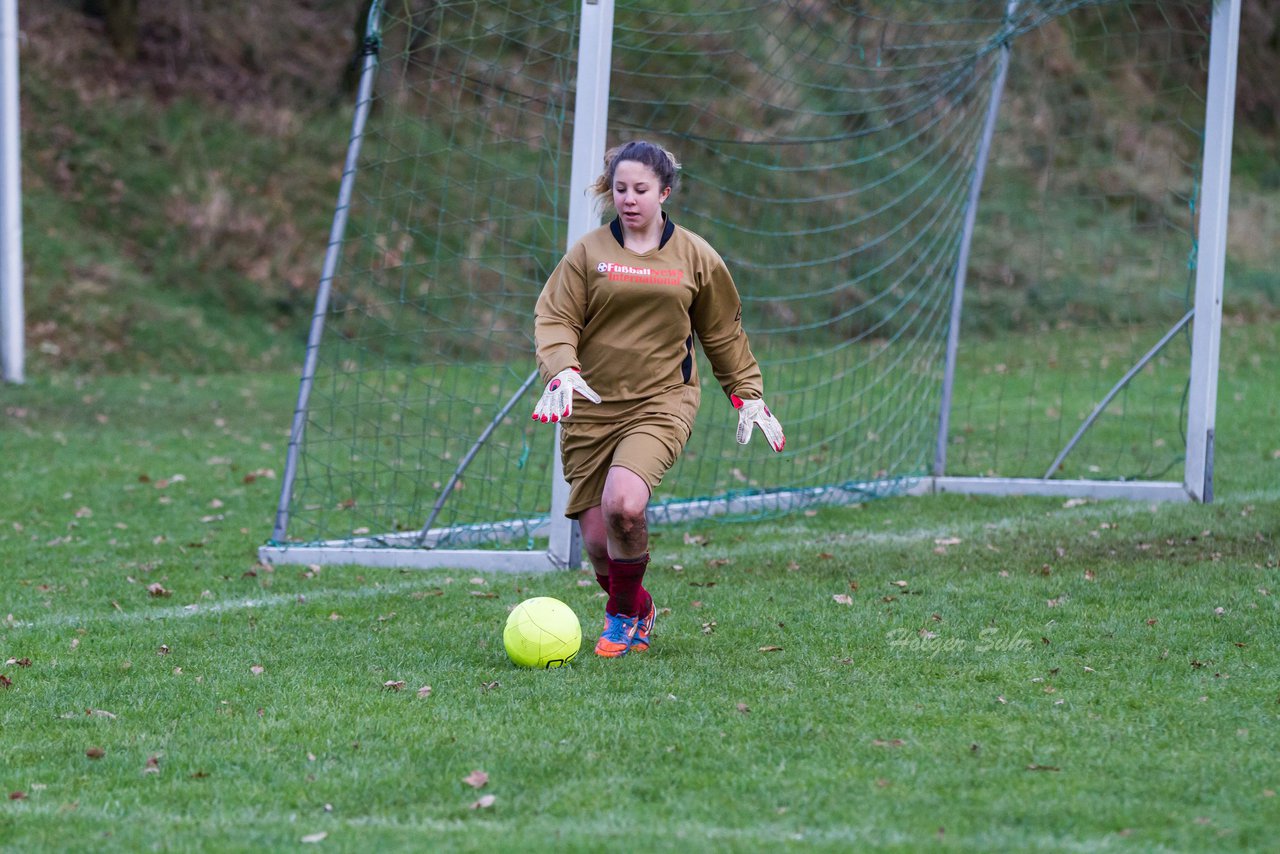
[668,229]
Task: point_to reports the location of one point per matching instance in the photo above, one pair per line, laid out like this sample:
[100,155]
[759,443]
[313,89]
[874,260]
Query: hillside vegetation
[177,205]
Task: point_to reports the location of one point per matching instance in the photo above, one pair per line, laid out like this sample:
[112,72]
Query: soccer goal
[980,248]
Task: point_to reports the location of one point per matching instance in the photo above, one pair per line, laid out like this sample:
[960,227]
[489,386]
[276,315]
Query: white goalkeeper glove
[556,403]
[753,412]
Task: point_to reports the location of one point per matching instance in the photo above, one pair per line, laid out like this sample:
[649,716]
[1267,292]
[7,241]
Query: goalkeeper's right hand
[557,401]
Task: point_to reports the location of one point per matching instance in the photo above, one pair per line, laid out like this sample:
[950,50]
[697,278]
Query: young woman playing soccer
[618,316]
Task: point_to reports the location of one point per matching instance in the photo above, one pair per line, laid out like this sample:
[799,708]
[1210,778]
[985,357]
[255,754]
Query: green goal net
[834,154]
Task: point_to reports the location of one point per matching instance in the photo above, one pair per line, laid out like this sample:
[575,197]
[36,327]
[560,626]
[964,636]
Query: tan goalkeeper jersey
[627,321]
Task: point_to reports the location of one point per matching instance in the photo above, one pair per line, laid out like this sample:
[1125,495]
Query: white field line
[248,603]
[772,538]
[682,833]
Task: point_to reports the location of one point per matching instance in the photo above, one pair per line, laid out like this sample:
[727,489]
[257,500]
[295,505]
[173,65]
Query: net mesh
[829,150]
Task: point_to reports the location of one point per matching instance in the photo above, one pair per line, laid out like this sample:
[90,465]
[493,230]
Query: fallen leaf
[476,779]
[152,766]
[257,669]
[901,584]
[482,594]
[424,692]
[771,649]
[5,681]
[1034,767]
[484,803]
[95,753]
[315,837]
[17,796]
[880,742]
[157,590]
[948,541]
[393,684]
[100,713]
[742,707]
[842,599]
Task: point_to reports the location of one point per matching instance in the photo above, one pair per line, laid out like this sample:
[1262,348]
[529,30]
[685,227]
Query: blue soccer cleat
[618,636]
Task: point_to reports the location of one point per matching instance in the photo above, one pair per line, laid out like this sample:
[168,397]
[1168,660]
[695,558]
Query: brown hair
[662,162]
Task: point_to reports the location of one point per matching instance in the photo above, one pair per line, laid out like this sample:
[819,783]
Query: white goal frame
[590,121]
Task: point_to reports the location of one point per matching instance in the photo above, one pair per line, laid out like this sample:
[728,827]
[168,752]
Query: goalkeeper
[615,325]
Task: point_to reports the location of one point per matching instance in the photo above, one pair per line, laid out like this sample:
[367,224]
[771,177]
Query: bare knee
[625,517]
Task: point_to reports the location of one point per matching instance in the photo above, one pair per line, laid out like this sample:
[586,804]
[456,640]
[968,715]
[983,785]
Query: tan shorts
[647,446]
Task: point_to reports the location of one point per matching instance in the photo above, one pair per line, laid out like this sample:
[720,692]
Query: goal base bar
[482,560]
[1097,489]
[378,551]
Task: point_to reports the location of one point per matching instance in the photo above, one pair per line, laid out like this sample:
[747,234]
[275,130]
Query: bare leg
[626,496]
[595,539]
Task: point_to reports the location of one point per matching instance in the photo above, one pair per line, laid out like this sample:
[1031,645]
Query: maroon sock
[644,602]
[603,581]
[624,585]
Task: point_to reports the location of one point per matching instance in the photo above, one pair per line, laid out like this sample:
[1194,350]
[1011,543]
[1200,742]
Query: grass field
[1003,675]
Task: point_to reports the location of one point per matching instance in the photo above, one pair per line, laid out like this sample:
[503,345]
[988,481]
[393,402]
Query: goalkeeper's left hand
[753,412]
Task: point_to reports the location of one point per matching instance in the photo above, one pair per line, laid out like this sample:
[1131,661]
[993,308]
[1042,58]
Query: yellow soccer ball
[542,632]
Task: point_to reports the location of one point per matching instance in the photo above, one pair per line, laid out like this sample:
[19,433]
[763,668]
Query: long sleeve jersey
[628,320]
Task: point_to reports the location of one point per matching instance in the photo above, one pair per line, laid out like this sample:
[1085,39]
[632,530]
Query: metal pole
[1115,389]
[332,254]
[471,455]
[966,239]
[590,120]
[1211,248]
[12,335]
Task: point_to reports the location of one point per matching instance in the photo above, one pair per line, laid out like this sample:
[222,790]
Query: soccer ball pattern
[542,632]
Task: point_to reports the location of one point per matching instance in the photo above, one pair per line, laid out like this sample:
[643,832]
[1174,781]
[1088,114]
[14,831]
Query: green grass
[1009,674]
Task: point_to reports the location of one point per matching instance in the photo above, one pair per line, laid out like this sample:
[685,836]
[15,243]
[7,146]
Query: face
[638,195]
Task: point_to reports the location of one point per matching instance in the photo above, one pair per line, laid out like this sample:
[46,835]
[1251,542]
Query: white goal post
[12,335]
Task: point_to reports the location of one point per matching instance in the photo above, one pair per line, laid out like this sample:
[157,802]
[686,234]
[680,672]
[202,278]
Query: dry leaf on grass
[476,779]
[315,837]
[842,599]
[393,684]
[484,803]
[95,753]
[771,649]
[424,692]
